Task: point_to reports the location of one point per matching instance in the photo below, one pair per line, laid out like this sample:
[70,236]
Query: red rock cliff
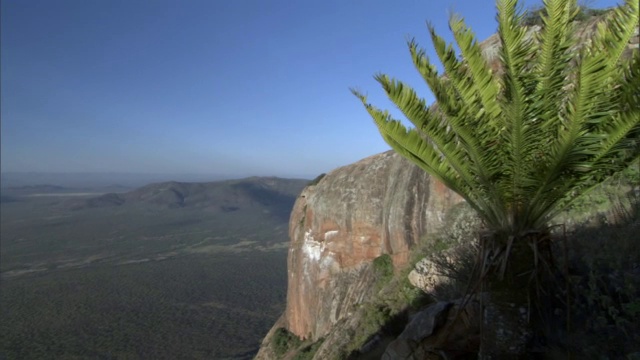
[380,205]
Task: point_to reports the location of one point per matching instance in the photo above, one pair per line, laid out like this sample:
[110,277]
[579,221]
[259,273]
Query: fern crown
[520,140]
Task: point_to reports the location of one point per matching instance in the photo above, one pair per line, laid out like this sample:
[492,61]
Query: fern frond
[517,145]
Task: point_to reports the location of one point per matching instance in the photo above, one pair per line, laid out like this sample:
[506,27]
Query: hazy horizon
[108,179]
[201,87]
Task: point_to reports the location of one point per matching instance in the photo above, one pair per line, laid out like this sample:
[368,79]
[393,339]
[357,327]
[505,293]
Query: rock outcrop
[380,205]
[427,275]
[383,204]
[434,271]
[444,330]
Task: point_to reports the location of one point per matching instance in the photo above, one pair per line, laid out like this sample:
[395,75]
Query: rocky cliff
[380,205]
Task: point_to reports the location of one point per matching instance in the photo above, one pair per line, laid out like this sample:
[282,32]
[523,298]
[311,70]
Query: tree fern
[518,143]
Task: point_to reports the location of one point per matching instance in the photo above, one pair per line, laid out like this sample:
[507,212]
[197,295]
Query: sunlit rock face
[380,205]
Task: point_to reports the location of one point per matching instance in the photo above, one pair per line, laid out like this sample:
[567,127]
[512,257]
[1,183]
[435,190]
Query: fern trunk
[514,279]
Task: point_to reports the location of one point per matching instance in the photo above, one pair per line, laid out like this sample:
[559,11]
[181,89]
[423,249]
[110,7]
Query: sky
[232,88]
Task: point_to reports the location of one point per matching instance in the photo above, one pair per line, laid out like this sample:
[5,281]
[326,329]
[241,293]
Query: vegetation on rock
[602,261]
[522,139]
[316,180]
[535,15]
[521,143]
[283,340]
[308,351]
[383,268]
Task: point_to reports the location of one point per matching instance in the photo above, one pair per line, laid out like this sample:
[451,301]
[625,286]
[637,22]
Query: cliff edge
[383,204]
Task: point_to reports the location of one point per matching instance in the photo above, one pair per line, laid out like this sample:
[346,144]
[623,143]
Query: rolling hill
[273,195]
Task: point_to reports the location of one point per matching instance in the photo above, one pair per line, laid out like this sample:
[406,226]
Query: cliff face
[380,205]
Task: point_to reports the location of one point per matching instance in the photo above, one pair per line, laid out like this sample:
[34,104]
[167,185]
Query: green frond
[475,130]
[453,140]
[614,33]
[457,74]
[626,83]
[552,62]
[620,134]
[480,80]
[446,96]
[519,144]
[410,143]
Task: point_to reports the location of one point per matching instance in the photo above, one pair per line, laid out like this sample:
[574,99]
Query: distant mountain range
[275,195]
[47,189]
[32,189]
[267,194]
[93,180]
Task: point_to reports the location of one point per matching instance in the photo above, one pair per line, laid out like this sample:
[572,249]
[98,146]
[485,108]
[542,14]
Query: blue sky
[245,87]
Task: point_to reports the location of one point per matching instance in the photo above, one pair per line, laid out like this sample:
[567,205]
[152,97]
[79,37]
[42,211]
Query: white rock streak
[329,234]
[311,248]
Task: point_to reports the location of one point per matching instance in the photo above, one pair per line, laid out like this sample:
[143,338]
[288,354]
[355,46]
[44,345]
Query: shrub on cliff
[522,139]
[383,269]
[520,144]
[283,341]
[316,180]
[308,352]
